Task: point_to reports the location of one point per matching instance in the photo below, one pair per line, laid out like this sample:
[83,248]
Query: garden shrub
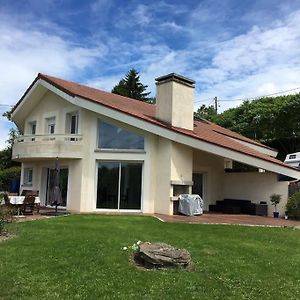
[6,216]
[293,206]
[7,175]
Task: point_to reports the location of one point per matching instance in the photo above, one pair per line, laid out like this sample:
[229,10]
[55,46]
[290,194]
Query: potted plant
[275,199]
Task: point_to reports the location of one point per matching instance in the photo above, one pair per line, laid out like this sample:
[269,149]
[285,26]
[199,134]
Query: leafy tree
[5,154]
[131,87]
[274,121]
[206,112]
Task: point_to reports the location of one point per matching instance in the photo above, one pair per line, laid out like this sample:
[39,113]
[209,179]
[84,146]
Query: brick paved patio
[215,218]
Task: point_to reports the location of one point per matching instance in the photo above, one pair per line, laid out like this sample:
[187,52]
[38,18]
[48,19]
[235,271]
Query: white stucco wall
[255,187]
[181,162]
[175,104]
[212,167]
[40,179]
[163,204]
[51,105]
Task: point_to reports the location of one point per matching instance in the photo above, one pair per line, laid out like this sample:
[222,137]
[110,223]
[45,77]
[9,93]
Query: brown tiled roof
[203,130]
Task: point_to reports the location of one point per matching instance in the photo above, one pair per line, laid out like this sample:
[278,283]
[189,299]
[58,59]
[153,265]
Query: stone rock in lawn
[161,255]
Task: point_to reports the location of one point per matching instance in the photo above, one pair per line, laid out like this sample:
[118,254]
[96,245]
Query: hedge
[293,206]
[7,175]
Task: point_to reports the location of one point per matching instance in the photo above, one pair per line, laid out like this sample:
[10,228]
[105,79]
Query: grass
[81,257]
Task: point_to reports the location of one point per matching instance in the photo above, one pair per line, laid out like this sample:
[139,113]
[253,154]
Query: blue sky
[233,49]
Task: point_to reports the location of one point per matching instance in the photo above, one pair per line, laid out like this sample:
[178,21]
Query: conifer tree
[131,87]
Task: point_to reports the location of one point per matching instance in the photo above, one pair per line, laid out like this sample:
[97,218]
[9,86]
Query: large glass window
[119,185]
[113,137]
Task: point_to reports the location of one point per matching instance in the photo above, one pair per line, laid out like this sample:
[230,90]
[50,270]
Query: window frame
[69,116]
[26,176]
[32,125]
[50,125]
[120,162]
[118,150]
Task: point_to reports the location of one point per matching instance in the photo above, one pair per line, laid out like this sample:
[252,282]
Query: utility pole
[216,104]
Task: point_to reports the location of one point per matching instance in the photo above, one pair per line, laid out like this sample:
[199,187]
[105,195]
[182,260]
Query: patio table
[19,200]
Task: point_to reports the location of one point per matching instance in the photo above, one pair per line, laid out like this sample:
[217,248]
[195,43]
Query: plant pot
[276,214]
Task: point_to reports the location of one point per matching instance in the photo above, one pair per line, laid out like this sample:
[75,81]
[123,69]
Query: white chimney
[175,100]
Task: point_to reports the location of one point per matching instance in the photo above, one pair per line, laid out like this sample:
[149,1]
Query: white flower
[124,248]
[138,242]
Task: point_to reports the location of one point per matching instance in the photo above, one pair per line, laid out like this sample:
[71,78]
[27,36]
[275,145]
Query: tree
[131,87]
[274,121]
[206,112]
[5,154]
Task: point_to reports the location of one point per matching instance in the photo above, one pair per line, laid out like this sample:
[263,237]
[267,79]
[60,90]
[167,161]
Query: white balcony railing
[48,146]
[48,137]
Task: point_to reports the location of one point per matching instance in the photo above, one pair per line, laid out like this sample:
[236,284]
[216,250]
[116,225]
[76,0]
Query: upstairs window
[50,125]
[113,137]
[72,123]
[32,128]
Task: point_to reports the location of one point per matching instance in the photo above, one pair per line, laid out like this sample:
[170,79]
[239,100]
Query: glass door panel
[63,184]
[108,185]
[130,189]
[198,184]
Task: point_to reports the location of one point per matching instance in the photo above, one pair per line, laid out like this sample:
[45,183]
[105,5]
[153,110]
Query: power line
[6,105]
[250,98]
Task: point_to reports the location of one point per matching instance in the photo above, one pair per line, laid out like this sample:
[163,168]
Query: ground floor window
[119,185]
[27,177]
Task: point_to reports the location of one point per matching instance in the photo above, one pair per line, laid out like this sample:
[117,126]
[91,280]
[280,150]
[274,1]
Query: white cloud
[142,15]
[172,25]
[261,61]
[27,51]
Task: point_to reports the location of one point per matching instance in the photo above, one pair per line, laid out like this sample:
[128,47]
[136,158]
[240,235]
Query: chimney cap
[175,77]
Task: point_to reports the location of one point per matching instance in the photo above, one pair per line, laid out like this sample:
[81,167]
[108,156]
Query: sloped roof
[203,130]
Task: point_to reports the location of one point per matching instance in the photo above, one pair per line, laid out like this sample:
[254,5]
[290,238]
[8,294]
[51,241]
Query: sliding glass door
[119,185]
[63,185]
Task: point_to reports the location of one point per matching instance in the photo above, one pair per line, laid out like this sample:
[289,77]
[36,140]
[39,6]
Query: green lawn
[81,257]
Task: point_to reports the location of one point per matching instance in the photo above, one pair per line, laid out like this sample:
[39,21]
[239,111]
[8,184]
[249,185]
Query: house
[117,153]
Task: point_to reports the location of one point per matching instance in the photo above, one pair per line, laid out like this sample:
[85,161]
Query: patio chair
[24,192]
[12,194]
[32,193]
[28,205]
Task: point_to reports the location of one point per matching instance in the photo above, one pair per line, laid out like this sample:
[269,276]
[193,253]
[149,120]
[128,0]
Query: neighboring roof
[203,130]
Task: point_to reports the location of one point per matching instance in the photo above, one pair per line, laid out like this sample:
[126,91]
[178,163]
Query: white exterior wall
[212,168]
[174,163]
[163,204]
[255,187]
[40,179]
[175,104]
[50,105]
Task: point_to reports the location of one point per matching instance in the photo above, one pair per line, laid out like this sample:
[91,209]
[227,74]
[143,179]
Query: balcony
[28,147]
